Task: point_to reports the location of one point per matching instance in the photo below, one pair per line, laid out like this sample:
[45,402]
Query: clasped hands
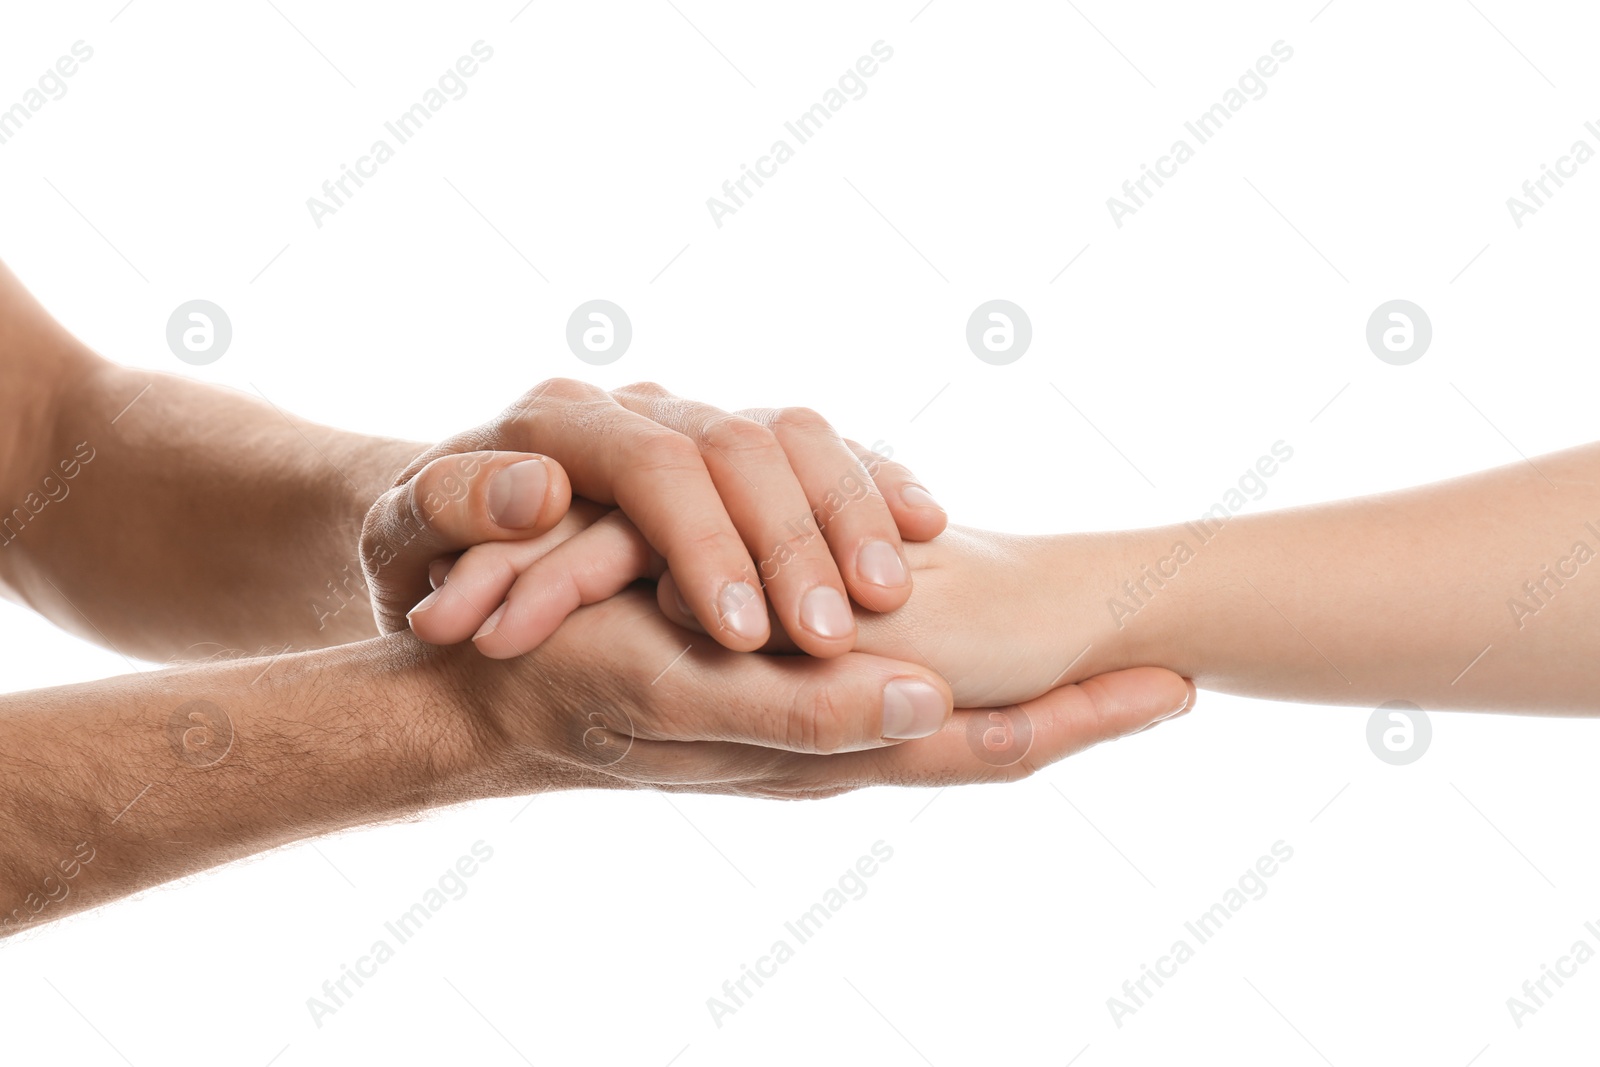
[811,627]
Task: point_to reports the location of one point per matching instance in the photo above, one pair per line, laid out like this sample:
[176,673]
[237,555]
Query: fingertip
[739,617]
[422,608]
[527,494]
[676,610]
[557,496]
[915,706]
[491,641]
[439,570]
[826,624]
[881,577]
[919,516]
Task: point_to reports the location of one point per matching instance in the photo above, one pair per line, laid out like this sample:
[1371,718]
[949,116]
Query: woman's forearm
[1482,592]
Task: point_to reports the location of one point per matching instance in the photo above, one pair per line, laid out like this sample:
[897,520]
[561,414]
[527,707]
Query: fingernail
[438,571]
[917,497]
[488,627]
[1180,709]
[516,494]
[880,564]
[825,613]
[911,708]
[423,605]
[740,609]
[1173,714]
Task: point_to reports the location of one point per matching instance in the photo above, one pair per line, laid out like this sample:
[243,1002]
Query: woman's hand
[1002,618]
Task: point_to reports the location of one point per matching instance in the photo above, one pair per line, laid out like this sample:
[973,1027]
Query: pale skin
[1479,593]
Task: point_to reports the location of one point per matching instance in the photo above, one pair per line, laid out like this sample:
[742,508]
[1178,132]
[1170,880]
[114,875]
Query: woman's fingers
[470,586]
[598,563]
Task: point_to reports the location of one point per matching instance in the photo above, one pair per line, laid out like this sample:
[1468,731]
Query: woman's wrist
[1117,596]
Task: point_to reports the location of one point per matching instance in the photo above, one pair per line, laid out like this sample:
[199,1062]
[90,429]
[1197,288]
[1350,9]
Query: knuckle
[661,451]
[734,434]
[800,420]
[560,389]
[1014,772]
[819,721]
[445,481]
[709,543]
[654,390]
[382,530]
[372,525]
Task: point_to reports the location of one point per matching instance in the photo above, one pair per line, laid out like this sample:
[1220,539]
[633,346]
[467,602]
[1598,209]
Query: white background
[1227,314]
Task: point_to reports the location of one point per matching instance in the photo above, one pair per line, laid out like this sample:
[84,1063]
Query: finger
[670,599]
[797,703]
[990,748]
[476,583]
[450,504]
[439,569]
[673,607]
[1007,744]
[658,478]
[846,506]
[598,563]
[917,515]
[770,510]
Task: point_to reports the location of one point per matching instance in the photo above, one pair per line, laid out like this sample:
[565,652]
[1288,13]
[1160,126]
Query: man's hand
[619,697]
[114,786]
[742,507]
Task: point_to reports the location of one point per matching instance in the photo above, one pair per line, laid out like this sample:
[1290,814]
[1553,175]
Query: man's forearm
[173,519]
[1477,593]
[110,787]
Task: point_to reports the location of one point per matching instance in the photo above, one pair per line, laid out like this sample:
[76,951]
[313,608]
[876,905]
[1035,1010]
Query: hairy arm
[114,786]
[111,787]
[168,518]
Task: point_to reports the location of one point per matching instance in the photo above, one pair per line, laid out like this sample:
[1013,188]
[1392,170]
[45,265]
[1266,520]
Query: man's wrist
[469,725]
